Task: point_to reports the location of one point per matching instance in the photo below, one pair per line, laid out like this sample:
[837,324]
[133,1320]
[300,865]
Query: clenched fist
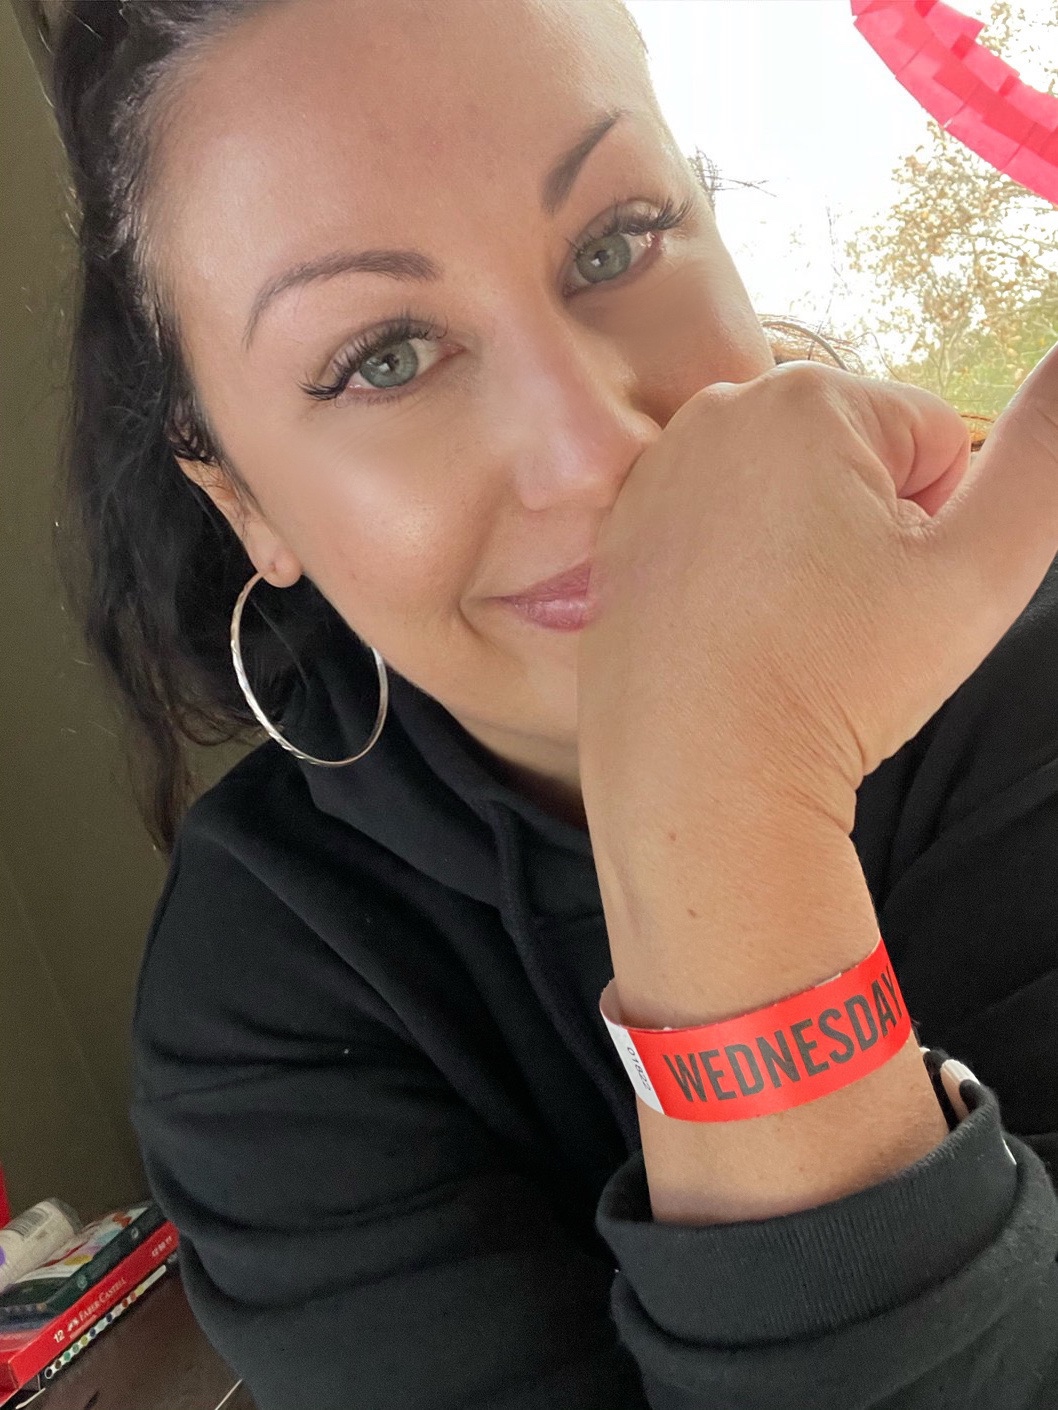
[796,575]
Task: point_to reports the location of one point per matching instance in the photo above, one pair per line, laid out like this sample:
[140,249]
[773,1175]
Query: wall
[78,874]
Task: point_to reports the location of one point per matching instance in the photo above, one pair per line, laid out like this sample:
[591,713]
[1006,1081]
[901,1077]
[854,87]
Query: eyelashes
[398,330]
[666,217]
[405,327]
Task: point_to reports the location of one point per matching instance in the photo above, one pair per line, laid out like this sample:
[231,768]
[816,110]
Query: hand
[796,575]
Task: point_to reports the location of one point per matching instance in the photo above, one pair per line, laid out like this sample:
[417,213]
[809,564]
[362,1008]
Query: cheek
[394,549]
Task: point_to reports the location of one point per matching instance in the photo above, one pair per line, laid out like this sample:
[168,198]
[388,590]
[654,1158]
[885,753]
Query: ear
[266,550]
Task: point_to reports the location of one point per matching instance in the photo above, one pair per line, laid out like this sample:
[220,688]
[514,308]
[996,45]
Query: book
[75,1348]
[25,1351]
[81,1261]
[29,1390]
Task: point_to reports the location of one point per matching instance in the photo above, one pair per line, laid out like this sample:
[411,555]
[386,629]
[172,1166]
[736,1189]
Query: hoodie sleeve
[935,1290]
[351,1235]
[938,1288]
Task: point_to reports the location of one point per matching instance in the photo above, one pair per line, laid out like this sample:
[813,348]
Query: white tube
[31,1238]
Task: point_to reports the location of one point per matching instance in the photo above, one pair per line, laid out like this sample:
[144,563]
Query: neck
[553,786]
[555,796]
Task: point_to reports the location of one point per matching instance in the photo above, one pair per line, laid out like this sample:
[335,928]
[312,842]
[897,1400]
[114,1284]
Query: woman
[403,309]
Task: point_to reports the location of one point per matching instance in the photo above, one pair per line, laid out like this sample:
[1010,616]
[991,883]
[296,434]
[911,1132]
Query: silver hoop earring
[251,699]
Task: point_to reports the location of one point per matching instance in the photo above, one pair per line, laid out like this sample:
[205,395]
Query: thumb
[994,539]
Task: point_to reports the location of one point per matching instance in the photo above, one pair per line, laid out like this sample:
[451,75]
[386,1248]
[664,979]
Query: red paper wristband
[791,1052]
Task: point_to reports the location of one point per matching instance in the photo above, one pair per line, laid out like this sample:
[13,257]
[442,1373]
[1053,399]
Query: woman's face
[483,452]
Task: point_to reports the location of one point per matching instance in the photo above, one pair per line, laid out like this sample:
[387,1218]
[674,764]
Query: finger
[997,535]
[937,489]
[922,440]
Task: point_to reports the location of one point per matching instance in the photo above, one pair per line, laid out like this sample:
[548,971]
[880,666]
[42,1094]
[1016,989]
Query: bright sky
[789,93]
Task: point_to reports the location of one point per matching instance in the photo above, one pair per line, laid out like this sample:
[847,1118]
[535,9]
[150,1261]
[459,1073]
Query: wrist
[647,806]
[810,1155]
[650,829]
[749,905]
[729,920]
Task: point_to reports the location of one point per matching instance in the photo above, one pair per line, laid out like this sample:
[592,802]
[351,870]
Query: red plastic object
[1006,119]
[901,33]
[989,68]
[952,26]
[1030,169]
[933,51]
[919,78]
[953,75]
[1041,107]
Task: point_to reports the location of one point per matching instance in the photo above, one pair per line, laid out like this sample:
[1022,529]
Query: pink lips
[563,603]
[560,614]
[567,585]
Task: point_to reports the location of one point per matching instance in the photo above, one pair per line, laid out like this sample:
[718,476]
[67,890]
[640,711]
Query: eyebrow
[413,264]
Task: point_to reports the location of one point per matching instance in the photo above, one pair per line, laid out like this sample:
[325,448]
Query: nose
[571,425]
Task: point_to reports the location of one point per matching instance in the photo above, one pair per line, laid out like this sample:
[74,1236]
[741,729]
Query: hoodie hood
[428,792]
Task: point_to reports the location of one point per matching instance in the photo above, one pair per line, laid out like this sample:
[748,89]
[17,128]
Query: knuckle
[806,378]
[823,400]
[814,388]
[707,402]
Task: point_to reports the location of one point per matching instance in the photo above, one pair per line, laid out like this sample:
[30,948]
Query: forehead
[317,124]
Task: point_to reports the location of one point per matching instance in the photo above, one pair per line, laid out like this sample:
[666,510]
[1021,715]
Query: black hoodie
[374,1091]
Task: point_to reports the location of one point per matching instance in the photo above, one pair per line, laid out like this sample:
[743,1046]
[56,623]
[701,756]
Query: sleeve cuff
[803,1274]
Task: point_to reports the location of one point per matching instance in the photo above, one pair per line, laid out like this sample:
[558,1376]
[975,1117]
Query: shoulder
[248,801]
[243,963]
[999,730]
[988,756]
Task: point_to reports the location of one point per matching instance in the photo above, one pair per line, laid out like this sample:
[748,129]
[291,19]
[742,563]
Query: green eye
[608,262]
[399,353]
[616,259]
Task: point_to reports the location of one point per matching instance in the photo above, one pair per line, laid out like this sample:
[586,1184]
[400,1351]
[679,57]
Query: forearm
[727,922]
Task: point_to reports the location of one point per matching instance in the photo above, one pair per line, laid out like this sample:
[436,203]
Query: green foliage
[965,265]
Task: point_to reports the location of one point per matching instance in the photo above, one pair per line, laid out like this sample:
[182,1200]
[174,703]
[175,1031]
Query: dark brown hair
[150,565]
